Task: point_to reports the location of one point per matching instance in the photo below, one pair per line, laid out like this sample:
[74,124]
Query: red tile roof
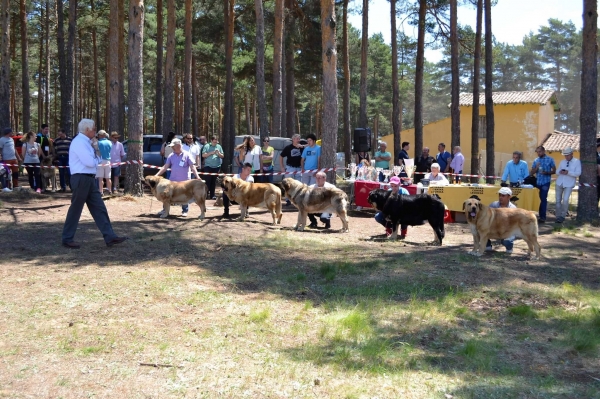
[512,97]
[557,141]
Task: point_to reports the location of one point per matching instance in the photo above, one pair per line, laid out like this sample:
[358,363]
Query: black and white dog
[412,210]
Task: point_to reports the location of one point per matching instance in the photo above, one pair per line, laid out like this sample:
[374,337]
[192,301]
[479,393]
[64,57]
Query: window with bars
[482,127]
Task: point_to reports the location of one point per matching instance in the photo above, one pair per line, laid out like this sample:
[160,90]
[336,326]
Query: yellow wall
[517,127]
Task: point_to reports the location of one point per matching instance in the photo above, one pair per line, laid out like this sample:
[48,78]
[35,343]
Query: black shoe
[327,223]
[116,240]
[226,214]
[313,225]
[541,220]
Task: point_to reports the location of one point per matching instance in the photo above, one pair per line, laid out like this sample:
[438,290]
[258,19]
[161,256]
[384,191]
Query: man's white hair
[85,124]
[321,174]
[296,136]
[435,165]
[383,143]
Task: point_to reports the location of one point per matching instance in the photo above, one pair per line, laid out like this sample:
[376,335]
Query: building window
[482,127]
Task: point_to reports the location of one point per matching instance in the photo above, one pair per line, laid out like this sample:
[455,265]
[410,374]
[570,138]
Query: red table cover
[363,188]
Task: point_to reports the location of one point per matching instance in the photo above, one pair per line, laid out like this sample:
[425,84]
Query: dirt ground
[83,323]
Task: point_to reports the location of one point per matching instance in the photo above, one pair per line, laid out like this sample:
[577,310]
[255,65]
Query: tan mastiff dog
[316,200]
[262,195]
[177,193]
[499,223]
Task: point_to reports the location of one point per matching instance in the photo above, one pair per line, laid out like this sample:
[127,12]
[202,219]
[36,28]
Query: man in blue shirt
[103,170]
[544,167]
[443,158]
[311,160]
[515,171]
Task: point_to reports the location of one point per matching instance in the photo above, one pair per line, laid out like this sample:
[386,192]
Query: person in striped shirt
[61,145]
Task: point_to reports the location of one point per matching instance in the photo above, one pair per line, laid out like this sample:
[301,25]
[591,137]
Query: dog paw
[201,217]
[164,215]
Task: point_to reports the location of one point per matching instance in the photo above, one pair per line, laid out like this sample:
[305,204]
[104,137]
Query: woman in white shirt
[32,153]
[250,153]
[435,177]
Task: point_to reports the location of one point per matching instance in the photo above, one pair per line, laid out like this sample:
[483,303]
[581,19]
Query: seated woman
[435,177]
[380,217]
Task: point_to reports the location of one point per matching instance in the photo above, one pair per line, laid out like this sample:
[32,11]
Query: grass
[308,315]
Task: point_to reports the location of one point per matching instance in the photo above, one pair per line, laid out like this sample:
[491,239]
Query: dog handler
[380,217]
[503,202]
[181,163]
[84,157]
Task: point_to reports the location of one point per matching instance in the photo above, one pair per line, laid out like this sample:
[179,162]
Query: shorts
[116,171]
[103,170]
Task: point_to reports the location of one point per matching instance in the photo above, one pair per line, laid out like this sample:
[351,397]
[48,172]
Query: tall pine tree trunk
[277,67]
[587,203]
[5,64]
[46,99]
[187,70]
[363,120]
[490,156]
[25,67]
[96,77]
[228,137]
[290,74]
[330,95]
[122,64]
[395,87]
[476,77]
[195,127]
[260,70]
[40,100]
[346,96]
[455,89]
[135,85]
[169,89]
[418,118]
[158,96]
[112,66]
[67,91]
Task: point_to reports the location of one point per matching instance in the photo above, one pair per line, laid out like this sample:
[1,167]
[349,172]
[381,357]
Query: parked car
[278,144]
[151,147]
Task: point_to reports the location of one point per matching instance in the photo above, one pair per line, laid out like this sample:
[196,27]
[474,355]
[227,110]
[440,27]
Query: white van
[278,144]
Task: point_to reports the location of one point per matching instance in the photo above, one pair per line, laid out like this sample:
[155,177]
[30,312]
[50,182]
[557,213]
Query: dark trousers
[543,200]
[34,175]
[64,173]
[85,192]
[211,181]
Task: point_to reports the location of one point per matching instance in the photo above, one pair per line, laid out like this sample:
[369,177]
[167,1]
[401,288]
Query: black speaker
[362,140]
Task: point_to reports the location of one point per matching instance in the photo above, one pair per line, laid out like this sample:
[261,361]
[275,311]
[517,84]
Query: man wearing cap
[382,159]
[62,145]
[117,155]
[545,167]
[516,171]
[503,202]
[103,169]
[380,217]
[83,160]
[569,170]
[181,163]
[10,156]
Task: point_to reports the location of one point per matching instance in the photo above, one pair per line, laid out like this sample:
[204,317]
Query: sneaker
[213,197]
[160,213]
[388,231]
[183,214]
[313,225]
[560,220]
[39,191]
[359,208]
[541,220]
[7,190]
[489,248]
[226,214]
[509,251]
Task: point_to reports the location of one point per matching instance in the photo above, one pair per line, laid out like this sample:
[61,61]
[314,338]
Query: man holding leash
[569,170]
[516,171]
[84,157]
[503,202]
[244,175]
[325,218]
[181,164]
[293,159]
[380,217]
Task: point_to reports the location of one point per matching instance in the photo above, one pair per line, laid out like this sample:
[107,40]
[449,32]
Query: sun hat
[567,151]
[175,142]
[115,134]
[395,180]
[505,191]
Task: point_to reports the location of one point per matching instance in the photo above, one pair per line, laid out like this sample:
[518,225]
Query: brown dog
[48,174]
[316,200]
[499,223]
[177,193]
[264,195]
